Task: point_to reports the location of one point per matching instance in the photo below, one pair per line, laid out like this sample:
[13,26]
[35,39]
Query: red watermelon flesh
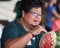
[47,40]
[56,25]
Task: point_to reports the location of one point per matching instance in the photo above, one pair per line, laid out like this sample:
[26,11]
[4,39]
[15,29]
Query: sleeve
[9,32]
[53,8]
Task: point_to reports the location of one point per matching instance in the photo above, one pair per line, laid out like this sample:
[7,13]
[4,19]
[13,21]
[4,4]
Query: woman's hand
[37,29]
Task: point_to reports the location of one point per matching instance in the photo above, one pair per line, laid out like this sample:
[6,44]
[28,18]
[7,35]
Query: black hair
[27,5]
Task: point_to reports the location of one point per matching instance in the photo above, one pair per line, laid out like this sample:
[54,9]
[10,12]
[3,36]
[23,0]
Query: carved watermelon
[48,40]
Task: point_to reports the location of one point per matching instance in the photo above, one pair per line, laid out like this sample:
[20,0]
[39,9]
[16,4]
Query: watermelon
[56,27]
[48,40]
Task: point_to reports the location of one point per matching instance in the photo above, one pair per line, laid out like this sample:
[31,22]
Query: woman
[51,14]
[24,33]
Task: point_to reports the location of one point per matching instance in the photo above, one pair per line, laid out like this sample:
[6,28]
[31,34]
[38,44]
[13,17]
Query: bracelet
[32,33]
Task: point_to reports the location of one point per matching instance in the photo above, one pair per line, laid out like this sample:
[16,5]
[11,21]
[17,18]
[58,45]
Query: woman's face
[33,17]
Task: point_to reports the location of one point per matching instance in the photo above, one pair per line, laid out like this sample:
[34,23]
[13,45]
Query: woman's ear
[23,13]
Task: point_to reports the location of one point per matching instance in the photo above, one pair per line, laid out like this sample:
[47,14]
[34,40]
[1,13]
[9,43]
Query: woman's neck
[51,4]
[25,25]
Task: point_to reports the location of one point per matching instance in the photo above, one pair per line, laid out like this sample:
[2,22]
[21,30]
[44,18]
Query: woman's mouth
[36,21]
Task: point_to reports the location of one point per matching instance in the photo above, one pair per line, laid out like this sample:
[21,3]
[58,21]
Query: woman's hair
[27,5]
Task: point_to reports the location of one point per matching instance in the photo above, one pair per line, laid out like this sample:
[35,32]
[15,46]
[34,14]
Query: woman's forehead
[37,9]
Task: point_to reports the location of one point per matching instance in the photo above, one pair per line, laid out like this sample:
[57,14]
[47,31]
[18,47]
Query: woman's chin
[35,24]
